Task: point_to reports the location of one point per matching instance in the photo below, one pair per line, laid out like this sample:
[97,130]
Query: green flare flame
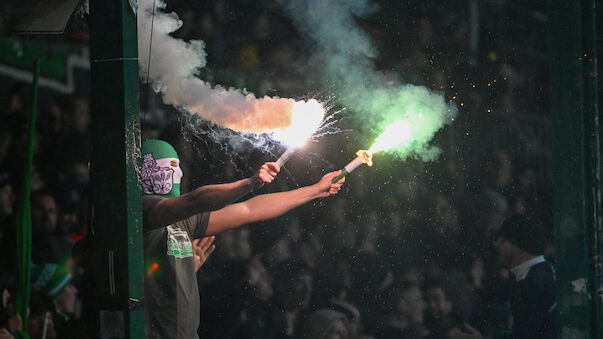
[345,57]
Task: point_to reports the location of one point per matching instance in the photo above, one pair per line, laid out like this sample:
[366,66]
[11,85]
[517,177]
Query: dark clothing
[391,329]
[532,304]
[439,327]
[50,248]
[172,303]
[60,320]
[258,323]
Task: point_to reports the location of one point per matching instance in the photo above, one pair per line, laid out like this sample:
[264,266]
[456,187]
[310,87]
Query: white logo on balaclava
[159,176]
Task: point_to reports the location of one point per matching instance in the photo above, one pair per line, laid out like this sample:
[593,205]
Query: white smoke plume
[174,64]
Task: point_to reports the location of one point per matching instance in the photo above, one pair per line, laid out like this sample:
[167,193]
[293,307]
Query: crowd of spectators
[405,251]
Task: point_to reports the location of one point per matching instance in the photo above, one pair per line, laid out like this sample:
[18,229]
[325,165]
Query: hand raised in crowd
[4,334]
[202,249]
[466,332]
[326,187]
[267,173]
[14,323]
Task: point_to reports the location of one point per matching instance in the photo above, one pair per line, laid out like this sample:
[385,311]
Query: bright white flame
[306,118]
[394,135]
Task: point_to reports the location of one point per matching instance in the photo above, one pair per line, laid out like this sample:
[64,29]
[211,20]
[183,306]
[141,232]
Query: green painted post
[24,217]
[576,168]
[117,219]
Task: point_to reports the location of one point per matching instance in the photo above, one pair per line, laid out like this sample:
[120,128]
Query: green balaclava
[161,171]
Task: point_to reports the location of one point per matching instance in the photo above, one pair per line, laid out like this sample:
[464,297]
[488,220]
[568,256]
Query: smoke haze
[348,56]
[174,65]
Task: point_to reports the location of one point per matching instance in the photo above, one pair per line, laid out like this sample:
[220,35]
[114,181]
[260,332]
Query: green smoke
[347,54]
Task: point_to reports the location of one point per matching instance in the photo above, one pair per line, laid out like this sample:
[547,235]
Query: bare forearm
[261,207]
[203,199]
[268,206]
[213,197]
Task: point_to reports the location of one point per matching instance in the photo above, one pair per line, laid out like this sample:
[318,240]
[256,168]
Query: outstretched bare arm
[208,198]
[268,206]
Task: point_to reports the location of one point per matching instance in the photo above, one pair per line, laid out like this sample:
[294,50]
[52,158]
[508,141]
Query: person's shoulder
[542,268]
[149,201]
[156,198]
[541,274]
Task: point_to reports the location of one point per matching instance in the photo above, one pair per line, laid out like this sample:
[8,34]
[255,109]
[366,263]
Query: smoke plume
[348,57]
[174,65]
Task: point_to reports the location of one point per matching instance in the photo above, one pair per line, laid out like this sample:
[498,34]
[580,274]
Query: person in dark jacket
[520,248]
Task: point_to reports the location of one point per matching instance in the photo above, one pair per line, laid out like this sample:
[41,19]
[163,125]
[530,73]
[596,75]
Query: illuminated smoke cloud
[347,54]
[174,65]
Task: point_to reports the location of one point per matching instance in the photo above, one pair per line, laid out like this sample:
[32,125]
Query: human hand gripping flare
[265,174]
[327,187]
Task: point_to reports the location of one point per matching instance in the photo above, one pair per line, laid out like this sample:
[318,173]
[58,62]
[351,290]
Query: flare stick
[285,156]
[363,157]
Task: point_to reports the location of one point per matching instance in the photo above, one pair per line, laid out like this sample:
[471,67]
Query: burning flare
[362,157]
[395,134]
[306,118]
[172,65]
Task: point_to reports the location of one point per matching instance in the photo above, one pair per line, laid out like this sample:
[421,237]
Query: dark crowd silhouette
[408,249]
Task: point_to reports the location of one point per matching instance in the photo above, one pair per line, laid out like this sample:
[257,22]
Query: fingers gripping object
[285,156]
[258,183]
[362,157]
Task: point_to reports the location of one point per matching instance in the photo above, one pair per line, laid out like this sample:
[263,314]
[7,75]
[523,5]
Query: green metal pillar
[576,169]
[117,218]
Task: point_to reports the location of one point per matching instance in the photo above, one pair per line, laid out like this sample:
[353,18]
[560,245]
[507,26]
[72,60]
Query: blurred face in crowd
[235,244]
[65,302]
[295,294]
[44,213]
[477,272]
[5,298]
[437,303]
[505,250]
[206,25]
[79,119]
[261,28]
[445,215]
[260,279]
[369,232]
[336,331]
[500,171]
[411,305]
[5,141]
[13,321]
[302,288]
[527,179]
[353,324]
[7,199]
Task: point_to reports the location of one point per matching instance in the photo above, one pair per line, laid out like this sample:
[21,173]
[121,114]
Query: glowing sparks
[306,118]
[362,157]
[394,135]
[366,156]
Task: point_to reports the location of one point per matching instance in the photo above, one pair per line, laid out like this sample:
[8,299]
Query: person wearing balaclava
[171,220]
